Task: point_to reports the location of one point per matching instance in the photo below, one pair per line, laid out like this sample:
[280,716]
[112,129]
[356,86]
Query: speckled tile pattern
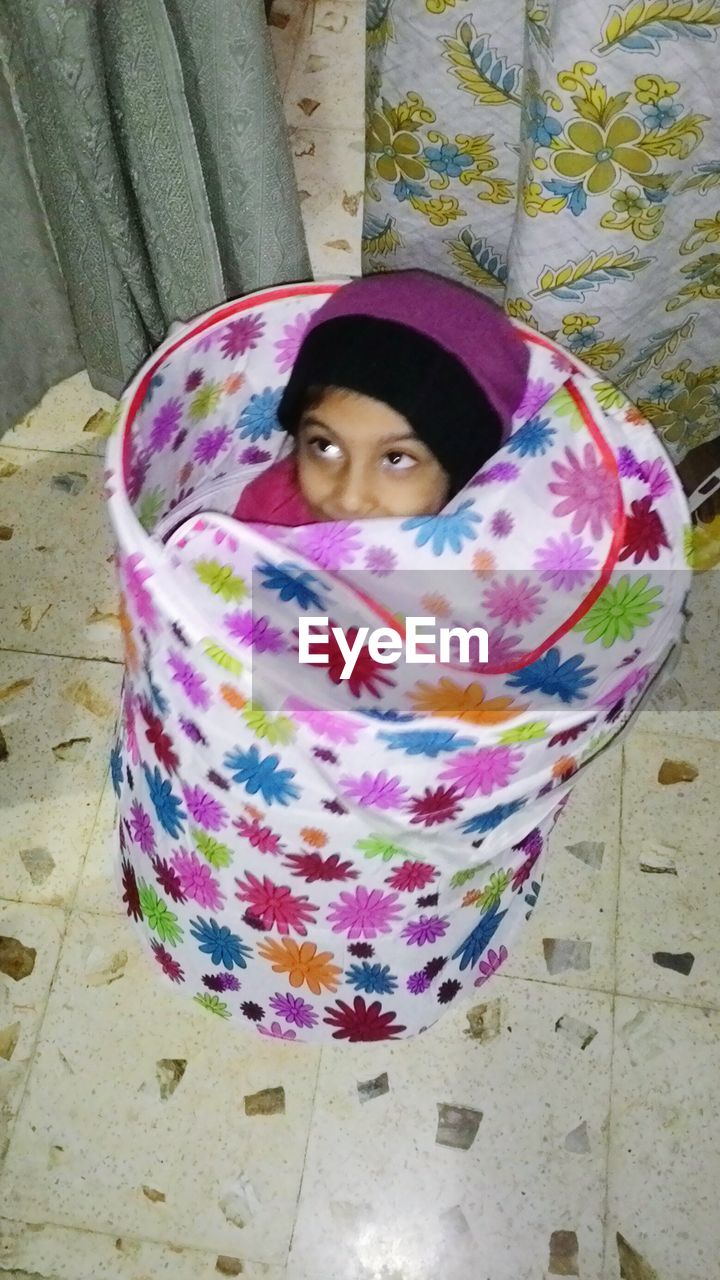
[564,1124]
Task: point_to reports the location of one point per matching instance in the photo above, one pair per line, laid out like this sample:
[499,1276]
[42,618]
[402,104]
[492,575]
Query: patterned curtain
[566,158]
[147,177]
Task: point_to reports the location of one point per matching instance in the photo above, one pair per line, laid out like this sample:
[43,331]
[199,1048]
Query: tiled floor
[596,1069]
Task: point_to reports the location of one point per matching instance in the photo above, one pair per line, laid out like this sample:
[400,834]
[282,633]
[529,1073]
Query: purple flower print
[656,476]
[194,380]
[192,732]
[627,463]
[253,456]
[513,602]
[294,1010]
[330,546]
[255,632]
[211,444]
[502,524]
[561,362]
[426,929]
[375,790]
[129,723]
[380,560]
[191,682]
[364,913]
[587,492]
[276,1032]
[326,724]
[198,881]
[288,346]
[141,828]
[537,394]
[417,983]
[205,342]
[240,336]
[482,771]
[137,474]
[498,473]
[204,809]
[502,648]
[629,682]
[221,982]
[490,965]
[165,423]
[565,562]
[134,577]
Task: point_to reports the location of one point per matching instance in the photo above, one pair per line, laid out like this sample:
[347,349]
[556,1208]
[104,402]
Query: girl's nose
[354,496]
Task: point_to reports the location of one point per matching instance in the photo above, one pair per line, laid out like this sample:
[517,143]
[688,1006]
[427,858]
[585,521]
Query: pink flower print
[129,723]
[565,562]
[625,686]
[537,393]
[197,880]
[502,524]
[501,648]
[276,1032]
[260,837]
[326,724]
[513,602]
[410,877]
[206,341]
[375,790]
[275,905]
[417,983]
[330,546]
[364,913]
[483,771]
[587,490]
[141,829]
[211,444]
[498,473]
[294,1009]
[191,682]
[427,929]
[204,809]
[134,576]
[490,965]
[288,346]
[255,632]
[165,423]
[656,476]
[380,560]
[253,456]
[240,336]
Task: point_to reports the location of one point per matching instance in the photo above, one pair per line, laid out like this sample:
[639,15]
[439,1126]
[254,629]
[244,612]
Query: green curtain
[146,176]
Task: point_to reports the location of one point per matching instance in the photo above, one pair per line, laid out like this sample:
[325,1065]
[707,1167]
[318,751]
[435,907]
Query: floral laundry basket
[318,857]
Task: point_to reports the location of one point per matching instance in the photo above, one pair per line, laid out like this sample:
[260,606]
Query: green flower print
[493,892]
[159,917]
[619,612]
[597,154]
[213,1004]
[217,854]
[380,847]
[524,732]
[396,151]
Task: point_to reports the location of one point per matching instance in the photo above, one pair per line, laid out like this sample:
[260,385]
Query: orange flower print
[472,897]
[467,702]
[312,836]
[483,562]
[303,964]
[233,383]
[257,815]
[232,696]
[436,604]
[564,767]
[132,658]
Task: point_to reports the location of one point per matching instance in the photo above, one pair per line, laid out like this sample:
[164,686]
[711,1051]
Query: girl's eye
[400,461]
[324,448]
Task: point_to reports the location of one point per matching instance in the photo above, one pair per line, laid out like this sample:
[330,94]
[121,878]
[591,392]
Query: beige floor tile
[97,890]
[578,900]
[60,1253]
[30,939]
[97,1147]
[57,717]
[660,913]
[664,1164]
[330,172]
[690,702]
[57,587]
[380,1192]
[326,85]
[58,423]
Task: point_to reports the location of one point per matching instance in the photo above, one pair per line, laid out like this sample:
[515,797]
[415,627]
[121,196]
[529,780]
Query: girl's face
[358,459]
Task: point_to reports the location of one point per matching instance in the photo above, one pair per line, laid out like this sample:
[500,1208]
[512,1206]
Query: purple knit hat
[464,323]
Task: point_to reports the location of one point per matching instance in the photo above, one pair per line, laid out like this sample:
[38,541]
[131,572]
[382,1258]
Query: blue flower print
[217,942]
[426,742]
[533,439]
[661,114]
[116,769]
[167,806]
[291,583]
[375,979]
[447,159]
[567,681]
[445,530]
[584,338]
[259,418]
[397,717]
[155,383]
[541,127]
[261,774]
[471,950]
[483,822]
[404,190]
[574,193]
